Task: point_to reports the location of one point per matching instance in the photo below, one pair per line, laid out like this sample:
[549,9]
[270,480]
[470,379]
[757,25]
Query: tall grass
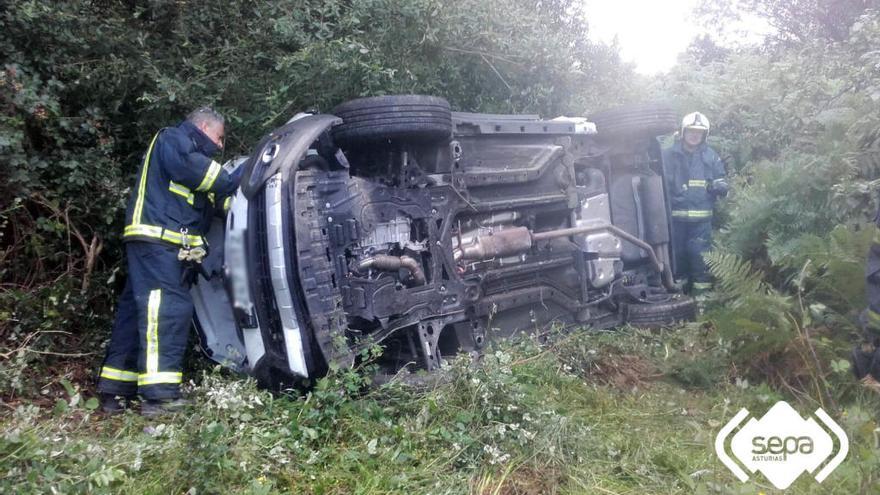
[568,418]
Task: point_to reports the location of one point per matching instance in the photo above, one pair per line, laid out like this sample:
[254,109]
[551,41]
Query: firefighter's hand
[719,187]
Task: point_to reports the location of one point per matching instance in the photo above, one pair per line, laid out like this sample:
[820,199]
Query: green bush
[86,83]
[797,123]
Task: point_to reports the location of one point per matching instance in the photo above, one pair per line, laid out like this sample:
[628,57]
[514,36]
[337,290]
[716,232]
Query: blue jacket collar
[202,141]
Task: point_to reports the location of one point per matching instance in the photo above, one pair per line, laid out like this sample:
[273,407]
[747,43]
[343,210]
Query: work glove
[719,187]
[196,254]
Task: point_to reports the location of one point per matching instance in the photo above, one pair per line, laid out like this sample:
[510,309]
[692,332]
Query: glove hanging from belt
[194,255]
[192,259]
[189,253]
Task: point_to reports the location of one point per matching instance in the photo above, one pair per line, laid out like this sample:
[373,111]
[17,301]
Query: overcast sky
[651,33]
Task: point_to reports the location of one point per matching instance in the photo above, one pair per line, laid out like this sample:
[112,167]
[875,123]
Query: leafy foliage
[521,421]
[827,269]
[740,285]
[797,123]
[800,138]
[780,200]
[795,21]
[753,315]
[85,83]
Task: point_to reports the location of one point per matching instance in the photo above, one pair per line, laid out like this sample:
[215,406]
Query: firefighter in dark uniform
[167,215]
[695,179]
[866,357]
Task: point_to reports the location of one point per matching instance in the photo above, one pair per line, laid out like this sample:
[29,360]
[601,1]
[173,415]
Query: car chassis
[397,222]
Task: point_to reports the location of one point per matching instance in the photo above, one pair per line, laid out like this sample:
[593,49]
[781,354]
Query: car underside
[396,222]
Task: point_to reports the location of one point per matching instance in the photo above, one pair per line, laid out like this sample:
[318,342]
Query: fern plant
[827,270]
[751,314]
[784,198]
[769,332]
[740,286]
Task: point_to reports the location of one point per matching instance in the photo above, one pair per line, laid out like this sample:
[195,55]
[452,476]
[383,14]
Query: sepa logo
[782,445]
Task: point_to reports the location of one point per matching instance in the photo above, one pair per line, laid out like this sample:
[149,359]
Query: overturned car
[396,221]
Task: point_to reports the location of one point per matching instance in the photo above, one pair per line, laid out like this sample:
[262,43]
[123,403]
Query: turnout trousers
[692,239]
[151,328]
[866,357]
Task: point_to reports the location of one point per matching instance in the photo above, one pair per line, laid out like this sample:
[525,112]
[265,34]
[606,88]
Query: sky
[650,33]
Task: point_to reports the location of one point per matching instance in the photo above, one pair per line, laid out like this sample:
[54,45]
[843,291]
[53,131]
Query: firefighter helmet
[697,121]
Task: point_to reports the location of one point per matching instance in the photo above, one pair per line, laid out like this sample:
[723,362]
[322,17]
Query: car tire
[392,120]
[678,310]
[635,121]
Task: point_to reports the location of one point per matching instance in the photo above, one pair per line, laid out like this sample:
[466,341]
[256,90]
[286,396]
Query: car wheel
[392,119]
[662,314]
[635,121]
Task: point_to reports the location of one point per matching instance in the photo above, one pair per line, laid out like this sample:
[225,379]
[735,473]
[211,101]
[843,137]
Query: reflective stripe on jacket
[688,180]
[170,200]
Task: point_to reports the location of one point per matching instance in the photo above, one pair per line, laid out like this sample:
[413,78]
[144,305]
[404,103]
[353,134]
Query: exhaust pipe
[388,263]
[520,239]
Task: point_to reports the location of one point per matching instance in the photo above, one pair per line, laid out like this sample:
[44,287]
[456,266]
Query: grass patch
[590,413]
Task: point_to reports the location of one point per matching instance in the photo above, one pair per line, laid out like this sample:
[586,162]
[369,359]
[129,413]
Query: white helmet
[695,120]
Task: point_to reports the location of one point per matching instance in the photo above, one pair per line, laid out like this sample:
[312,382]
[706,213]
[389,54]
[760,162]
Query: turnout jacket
[689,179]
[177,183]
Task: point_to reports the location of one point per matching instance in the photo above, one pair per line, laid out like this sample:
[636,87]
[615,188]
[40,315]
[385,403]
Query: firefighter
[167,216]
[866,357]
[695,179]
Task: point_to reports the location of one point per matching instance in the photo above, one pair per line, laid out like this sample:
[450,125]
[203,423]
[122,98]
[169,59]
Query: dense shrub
[797,123]
[85,83]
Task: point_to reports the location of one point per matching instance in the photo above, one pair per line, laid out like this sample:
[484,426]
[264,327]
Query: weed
[526,419]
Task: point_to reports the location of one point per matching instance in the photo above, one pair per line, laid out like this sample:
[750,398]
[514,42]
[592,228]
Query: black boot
[865,359]
[114,404]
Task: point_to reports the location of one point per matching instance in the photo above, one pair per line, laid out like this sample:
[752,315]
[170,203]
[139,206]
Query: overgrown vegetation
[797,122]
[526,419]
[797,119]
[85,83]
